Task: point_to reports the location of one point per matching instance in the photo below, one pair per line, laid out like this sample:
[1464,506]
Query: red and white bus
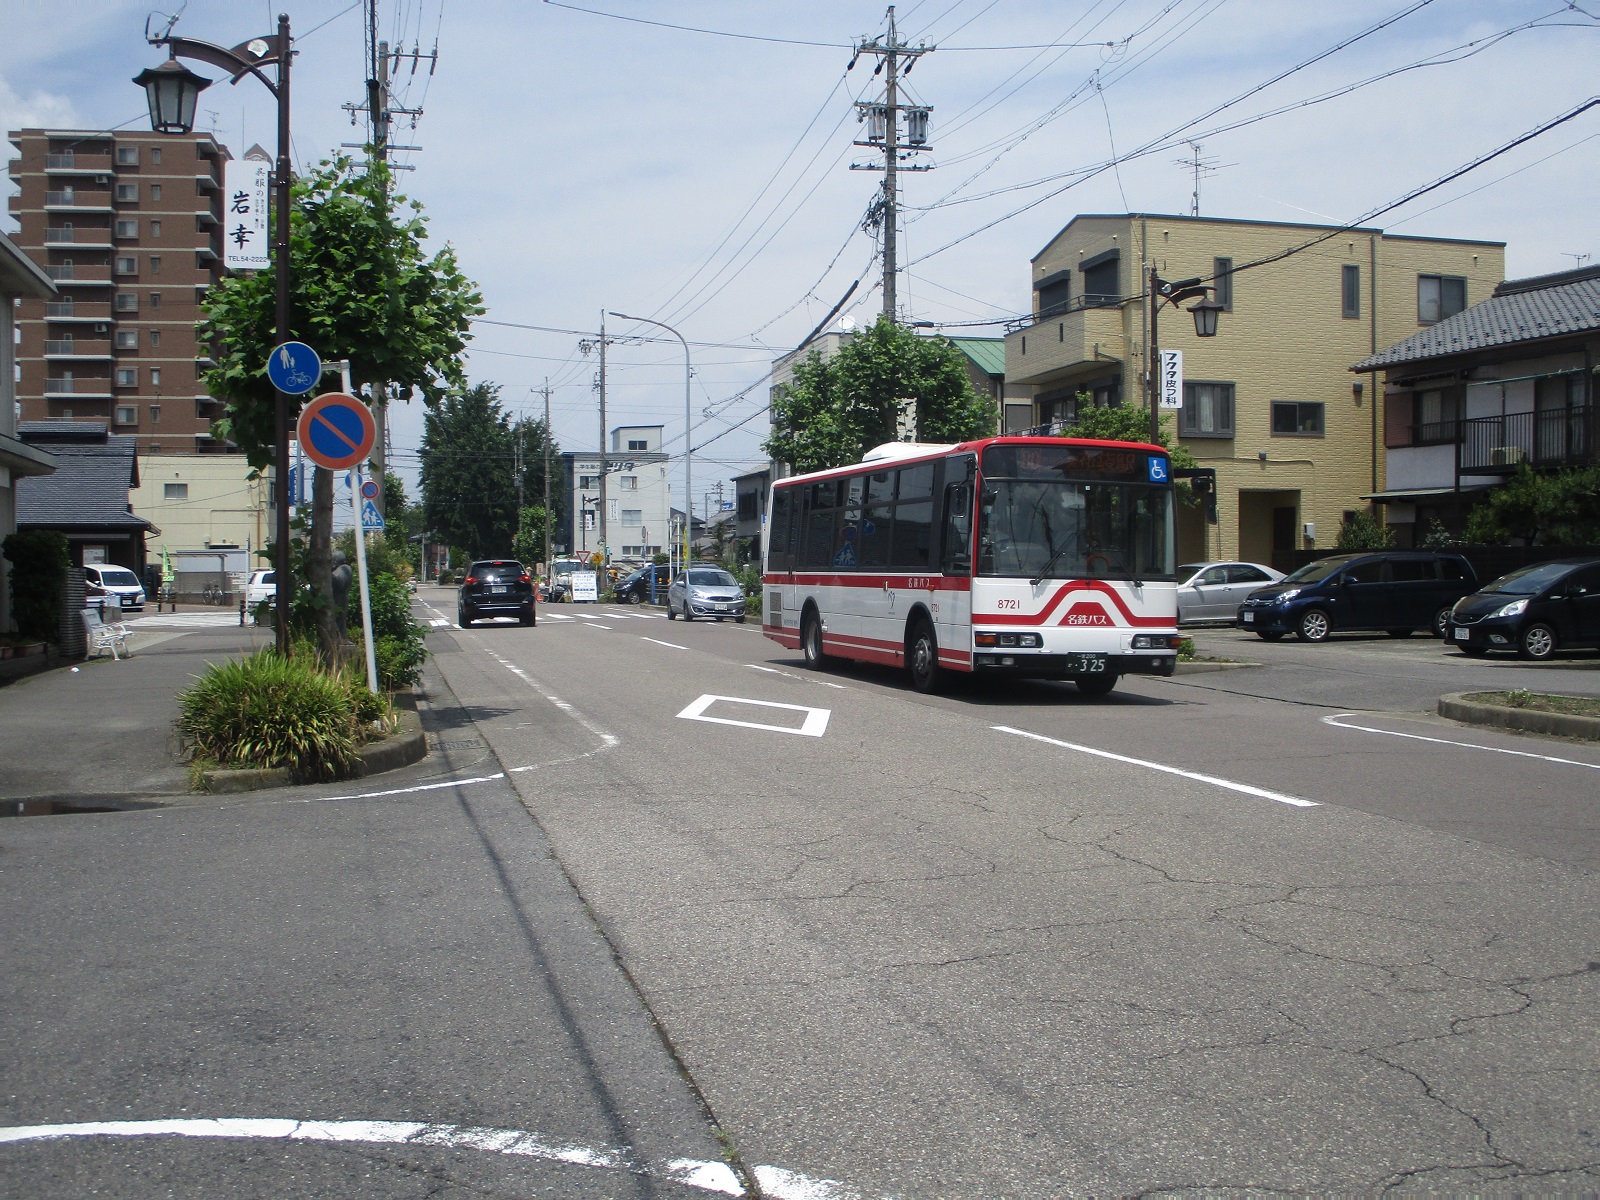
[1030,556]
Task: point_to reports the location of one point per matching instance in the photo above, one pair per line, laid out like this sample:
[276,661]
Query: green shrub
[1363,531]
[399,661]
[39,561]
[398,647]
[270,711]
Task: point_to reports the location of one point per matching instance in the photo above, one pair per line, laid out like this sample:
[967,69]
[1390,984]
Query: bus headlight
[1026,641]
[1156,641]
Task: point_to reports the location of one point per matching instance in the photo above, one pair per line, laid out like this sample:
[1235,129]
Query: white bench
[101,636]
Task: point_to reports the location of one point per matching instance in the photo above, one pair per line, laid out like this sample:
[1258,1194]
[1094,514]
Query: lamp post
[688,442]
[1205,325]
[172,90]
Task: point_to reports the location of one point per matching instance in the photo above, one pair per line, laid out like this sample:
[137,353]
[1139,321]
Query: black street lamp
[172,90]
[1205,325]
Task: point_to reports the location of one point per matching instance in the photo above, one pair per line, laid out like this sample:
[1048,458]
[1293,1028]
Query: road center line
[659,642]
[1337,722]
[1232,786]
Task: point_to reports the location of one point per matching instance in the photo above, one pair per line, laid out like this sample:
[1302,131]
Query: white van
[102,581]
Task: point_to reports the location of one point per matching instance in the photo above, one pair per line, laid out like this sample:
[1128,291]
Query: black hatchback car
[496,587]
[1532,611]
[635,587]
[1397,591]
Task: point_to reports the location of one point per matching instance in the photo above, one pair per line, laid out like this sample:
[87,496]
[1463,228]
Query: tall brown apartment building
[129,226]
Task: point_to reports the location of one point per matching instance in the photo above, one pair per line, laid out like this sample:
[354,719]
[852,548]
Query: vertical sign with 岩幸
[244,215]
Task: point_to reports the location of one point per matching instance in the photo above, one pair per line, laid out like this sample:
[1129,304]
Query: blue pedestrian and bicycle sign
[336,431]
[294,368]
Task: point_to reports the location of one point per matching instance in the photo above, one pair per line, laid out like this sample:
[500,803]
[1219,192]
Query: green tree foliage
[394,498]
[527,544]
[534,435]
[468,490]
[363,290]
[1363,531]
[1560,509]
[39,560]
[837,409]
[1124,424]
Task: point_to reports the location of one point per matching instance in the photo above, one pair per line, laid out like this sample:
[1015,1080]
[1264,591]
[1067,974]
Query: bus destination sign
[1068,461]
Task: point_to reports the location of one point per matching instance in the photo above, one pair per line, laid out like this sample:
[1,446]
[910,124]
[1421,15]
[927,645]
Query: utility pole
[883,132]
[605,546]
[381,111]
[548,557]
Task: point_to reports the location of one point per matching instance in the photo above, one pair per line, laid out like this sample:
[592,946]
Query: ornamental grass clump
[271,711]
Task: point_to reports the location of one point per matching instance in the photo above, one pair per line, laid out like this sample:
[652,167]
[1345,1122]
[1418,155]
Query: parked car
[1213,591]
[495,587]
[1532,611]
[705,592]
[635,587]
[1397,591]
[102,582]
[261,586]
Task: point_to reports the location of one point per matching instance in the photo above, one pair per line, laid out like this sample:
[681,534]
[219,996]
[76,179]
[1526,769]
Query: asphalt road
[664,894]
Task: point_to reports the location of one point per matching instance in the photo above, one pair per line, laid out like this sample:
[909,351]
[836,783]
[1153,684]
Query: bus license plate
[1086,664]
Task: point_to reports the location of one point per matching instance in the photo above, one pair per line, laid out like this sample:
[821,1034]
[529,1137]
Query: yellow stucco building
[1269,402]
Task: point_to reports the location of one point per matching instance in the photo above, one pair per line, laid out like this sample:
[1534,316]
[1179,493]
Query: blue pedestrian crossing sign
[371,518]
[294,368]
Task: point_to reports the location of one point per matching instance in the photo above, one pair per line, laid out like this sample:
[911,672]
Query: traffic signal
[1204,485]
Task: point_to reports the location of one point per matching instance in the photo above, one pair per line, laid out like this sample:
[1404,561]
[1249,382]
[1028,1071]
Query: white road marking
[207,620]
[607,740]
[406,791]
[1246,788]
[595,624]
[438,622]
[1337,723]
[550,616]
[802,678]
[814,725]
[659,642]
[702,1175]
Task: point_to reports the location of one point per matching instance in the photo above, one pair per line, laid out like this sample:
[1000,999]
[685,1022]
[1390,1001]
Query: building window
[155,338]
[175,491]
[155,155]
[1100,279]
[127,266]
[127,376]
[633,516]
[1350,290]
[1296,418]
[127,228]
[1207,410]
[630,483]
[127,156]
[127,339]
[1222,282]
[127,302]
[155,229]
[1435,415]
[747,506]
[638,445]
[155,299]
[128,193]
[155,191]
[155,376]
[155,414]
[588,482]
[155,264]
[127,415]
[1439,296]
[1024,345]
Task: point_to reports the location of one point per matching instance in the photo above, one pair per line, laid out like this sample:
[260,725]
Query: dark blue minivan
[1396,591]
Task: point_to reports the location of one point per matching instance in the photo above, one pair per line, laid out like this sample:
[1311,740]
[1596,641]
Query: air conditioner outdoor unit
[1507,456]
[102,179]
[102,327]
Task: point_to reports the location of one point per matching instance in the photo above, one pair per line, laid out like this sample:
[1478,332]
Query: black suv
[495,587]
[635,588]
[1397,591]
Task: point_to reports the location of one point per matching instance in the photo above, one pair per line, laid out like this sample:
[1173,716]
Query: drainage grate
[472,744]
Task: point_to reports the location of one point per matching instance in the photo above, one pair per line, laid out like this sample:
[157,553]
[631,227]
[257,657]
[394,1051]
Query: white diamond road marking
[814,725]
[700,1174]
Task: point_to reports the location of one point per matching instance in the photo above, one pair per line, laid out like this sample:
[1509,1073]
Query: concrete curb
[1527,720]
[400,749]
[1201,665]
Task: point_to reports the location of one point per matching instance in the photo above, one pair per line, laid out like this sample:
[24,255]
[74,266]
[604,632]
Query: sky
[584,157]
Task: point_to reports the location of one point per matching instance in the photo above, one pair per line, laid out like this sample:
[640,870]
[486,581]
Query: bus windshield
[1061,529]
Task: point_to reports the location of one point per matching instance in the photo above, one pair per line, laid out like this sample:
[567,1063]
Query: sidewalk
[106,730]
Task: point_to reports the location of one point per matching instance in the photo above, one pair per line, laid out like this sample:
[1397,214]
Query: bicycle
[213,594]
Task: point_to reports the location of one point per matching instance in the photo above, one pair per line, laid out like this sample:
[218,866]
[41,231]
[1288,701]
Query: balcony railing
[61,347]
[59,309]
[60,272]
[1554,438]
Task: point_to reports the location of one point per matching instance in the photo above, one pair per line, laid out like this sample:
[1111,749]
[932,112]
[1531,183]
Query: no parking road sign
[336,431]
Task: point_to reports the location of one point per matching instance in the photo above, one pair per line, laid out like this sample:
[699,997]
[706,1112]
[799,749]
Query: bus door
[876,598]
[953,622]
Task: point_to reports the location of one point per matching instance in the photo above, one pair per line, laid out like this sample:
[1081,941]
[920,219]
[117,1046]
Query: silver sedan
[1213,591]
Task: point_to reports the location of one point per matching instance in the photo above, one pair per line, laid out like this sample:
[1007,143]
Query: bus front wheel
[811,640]
[922,658]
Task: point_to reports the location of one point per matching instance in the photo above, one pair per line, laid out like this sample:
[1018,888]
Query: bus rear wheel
[811,640]
[922,658]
